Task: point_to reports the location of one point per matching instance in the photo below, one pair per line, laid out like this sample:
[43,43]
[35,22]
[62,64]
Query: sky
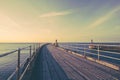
[64,20]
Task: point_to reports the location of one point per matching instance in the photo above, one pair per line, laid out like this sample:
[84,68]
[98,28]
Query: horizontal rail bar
[26,68]
[112,52]
[91,53]
[5,54]
[100,55]
[74,46]
[110,57]
[24,62]
[95,44]
[9,78]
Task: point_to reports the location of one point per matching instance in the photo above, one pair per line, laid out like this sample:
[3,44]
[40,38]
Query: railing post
[34,48]
[84,52]
[39,45]
[98,49]
[18,65]
[30,51]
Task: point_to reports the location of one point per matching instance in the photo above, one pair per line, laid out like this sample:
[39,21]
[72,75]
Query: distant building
[91,46]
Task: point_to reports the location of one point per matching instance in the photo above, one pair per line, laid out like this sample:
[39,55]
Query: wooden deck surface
[55,64]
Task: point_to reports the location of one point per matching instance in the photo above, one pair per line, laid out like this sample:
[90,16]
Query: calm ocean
[7,47]
[8,63]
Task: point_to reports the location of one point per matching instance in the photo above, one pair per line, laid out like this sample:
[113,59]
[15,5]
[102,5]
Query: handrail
[9,78]
[101,44]
[110,57]
[5,54]
[92,49]
[22,75]
[20,65]
[84,48]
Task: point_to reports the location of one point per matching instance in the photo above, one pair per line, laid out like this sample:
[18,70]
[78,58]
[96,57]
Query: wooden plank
[46,73]
[57,64]
[83,67]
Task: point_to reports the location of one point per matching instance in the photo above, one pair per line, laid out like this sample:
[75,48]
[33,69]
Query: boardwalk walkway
[55,64]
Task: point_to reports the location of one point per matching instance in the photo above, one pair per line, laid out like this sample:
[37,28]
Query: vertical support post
[84,52]
[34,48]
[30,51]
[18,65]
[39,45]
[98,49]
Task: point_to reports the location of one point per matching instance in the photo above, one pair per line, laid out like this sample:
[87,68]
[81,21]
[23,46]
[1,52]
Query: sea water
[8,63]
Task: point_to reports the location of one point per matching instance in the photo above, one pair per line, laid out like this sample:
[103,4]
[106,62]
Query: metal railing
[98,51]
[21,68]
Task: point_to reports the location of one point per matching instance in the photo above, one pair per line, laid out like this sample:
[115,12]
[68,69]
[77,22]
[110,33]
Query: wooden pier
[53,63]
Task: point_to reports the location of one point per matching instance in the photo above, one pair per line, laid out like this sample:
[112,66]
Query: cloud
[104,18]
[53,14]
